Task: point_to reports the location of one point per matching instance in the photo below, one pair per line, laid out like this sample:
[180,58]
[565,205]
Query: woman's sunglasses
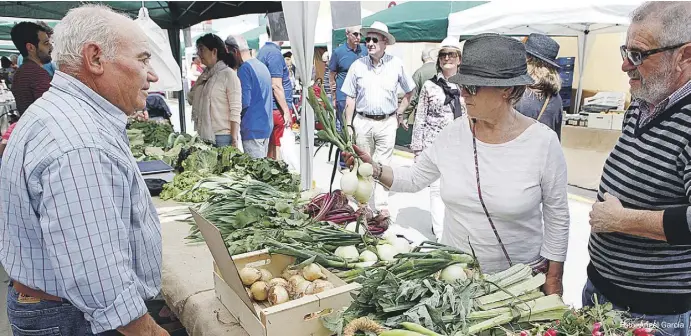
[471,89]
[636,57]
[450,54]
[373,39]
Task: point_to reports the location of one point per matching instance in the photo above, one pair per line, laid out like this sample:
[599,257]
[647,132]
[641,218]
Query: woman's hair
[547,80]
[5,62]
[439,58]
[211,42]
[517,94]
[319,81]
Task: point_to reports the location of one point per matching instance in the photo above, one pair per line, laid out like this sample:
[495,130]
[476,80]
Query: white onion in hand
[364,190]
[365,170]
[349,183]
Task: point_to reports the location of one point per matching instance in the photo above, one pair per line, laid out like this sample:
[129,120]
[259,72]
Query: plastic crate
[566,78]
[565,61]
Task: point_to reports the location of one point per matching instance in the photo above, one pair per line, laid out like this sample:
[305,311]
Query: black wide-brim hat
[493,60]
[544,48]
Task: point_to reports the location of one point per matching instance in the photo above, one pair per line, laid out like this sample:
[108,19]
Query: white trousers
[378,137]
[436,209]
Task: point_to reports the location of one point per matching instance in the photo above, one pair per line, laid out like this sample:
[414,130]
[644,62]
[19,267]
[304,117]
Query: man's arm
[88,243]
[280,97]
[670,225]
[41,84]
[349,110]
[408,85]
[332,83]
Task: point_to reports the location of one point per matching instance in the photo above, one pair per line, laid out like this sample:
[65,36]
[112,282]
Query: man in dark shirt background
[31,80]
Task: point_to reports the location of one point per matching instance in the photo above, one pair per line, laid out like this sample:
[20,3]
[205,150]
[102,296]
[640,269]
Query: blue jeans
[667,325]
[28,317]
[224,140]
[340,108]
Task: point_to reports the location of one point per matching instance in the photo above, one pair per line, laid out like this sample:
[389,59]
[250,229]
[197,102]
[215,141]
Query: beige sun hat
[451,42]
[379,28]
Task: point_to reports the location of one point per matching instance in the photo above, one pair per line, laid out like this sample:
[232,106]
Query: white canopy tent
[556,18]
[301,21]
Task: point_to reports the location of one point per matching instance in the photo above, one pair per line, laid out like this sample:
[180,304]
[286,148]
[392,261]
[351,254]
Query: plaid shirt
[76,218]
[648,112]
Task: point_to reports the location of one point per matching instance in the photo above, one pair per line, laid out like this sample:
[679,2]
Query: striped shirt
[375,87]
[650,169]
[29,83]
[76,218]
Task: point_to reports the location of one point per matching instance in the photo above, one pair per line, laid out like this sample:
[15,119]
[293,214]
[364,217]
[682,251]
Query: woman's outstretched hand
[350,159]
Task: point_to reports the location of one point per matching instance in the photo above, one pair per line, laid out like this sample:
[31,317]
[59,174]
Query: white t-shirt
[516,177]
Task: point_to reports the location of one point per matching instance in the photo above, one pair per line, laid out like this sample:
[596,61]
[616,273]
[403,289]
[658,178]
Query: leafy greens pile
[155,133]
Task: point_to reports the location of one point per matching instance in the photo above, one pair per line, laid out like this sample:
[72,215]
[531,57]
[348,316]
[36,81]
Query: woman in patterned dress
[439,104]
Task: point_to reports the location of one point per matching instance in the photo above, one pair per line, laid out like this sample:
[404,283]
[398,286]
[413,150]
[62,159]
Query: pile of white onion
[293,284]
[359,182]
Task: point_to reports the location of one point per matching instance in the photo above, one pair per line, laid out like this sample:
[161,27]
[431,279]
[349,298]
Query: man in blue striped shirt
[80,237]
[371,87]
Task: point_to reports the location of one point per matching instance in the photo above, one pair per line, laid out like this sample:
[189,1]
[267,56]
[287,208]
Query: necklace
[505,135]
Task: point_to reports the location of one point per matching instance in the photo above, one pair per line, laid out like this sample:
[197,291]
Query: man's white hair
[352,28]
[237,41]
[87,24]
[671,17]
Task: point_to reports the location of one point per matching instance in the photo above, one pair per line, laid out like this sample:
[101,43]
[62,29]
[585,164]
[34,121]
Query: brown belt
[22,289]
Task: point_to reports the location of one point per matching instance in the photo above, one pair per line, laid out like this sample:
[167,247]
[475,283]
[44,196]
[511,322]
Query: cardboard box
[292,318]
[617,121]
[600,121]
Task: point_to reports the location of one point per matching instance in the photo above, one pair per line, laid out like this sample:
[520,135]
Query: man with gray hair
[80,237]
[339,64]
[640,245]
[257,109]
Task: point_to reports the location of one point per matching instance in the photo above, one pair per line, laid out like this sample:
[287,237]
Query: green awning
[252,36]
[166,14]
[414,21]
[6,27]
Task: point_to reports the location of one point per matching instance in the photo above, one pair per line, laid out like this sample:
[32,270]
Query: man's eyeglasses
[636,57]
[450,54]
[373,39]
[471,89]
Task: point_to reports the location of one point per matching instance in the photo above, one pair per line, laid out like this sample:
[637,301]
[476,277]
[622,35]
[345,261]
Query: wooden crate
[293,318]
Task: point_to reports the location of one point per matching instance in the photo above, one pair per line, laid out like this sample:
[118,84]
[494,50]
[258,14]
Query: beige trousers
[378,137]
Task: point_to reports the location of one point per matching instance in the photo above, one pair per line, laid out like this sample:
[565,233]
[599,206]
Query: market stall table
[187,281]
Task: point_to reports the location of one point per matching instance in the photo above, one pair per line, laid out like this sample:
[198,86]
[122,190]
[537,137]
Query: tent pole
[582,45]
[175,43]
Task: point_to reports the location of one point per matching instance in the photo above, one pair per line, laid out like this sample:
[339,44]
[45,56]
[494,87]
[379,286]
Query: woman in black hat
[503,175]
[541,101]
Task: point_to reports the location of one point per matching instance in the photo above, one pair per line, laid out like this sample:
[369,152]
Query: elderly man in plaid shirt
[80,237]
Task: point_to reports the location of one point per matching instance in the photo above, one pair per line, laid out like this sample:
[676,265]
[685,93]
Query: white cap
[237,41]
[451,42]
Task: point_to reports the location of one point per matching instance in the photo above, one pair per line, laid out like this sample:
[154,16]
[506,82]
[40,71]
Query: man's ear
[92,54]
[30,48]
[684,62]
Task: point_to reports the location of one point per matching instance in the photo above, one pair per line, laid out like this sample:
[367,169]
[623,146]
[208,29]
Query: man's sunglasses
[373,39]
[636,57]
[356,34]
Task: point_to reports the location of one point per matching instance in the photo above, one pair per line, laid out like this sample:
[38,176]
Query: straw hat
[379,28]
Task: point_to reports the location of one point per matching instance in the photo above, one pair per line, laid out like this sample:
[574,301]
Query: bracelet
[381,171]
